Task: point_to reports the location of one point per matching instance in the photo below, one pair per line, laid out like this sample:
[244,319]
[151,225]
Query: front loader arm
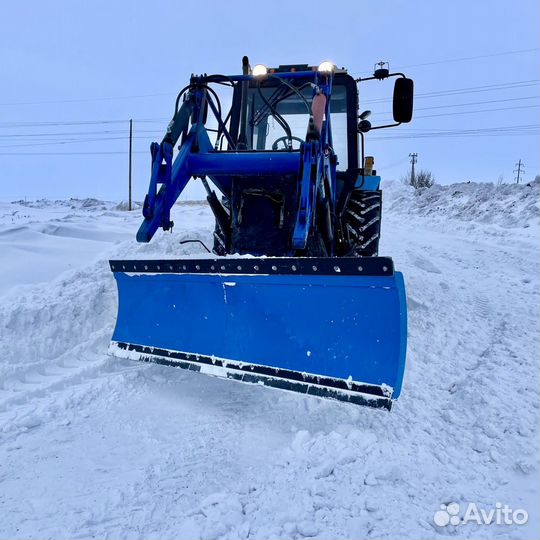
[308,186]
[316,157]
[172,178]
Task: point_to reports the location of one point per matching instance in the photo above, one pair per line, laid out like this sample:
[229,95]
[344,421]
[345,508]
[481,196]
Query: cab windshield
[274,109]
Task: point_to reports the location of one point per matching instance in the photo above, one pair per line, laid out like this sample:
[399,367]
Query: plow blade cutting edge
[325,327]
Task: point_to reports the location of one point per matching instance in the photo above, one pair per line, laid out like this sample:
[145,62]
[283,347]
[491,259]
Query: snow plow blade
[319,326]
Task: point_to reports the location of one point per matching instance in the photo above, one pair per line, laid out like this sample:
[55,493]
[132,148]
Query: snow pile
[124,206]
[506,205]
[88,203]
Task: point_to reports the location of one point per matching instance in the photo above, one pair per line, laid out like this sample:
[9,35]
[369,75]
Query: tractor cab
[276,112]
[271,107]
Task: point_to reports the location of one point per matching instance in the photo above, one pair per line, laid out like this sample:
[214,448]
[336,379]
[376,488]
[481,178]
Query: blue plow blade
[305,325]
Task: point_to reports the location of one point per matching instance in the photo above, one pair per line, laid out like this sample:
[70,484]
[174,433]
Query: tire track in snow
[480,364]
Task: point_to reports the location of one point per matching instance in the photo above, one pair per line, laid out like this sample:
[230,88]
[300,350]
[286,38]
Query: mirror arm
[372,78]
[386,126]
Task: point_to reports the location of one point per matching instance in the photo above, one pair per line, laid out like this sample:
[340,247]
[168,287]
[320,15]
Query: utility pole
[519,171]
[130,152]
[414,159]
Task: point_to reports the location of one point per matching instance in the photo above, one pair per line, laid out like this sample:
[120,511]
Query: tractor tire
[362,223]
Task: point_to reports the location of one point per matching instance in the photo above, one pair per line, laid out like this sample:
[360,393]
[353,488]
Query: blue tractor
[295,295]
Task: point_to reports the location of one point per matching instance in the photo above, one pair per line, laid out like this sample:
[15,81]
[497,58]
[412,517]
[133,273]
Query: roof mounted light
[259,71]
[326,67]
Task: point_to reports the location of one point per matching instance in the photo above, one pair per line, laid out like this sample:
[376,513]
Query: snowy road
[94,446]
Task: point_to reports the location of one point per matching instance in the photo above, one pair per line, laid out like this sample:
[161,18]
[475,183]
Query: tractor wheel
[362,223]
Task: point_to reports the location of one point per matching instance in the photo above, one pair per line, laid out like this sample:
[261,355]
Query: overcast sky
[67,67]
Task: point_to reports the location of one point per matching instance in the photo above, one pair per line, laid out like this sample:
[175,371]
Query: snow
[508,205]
[94,446]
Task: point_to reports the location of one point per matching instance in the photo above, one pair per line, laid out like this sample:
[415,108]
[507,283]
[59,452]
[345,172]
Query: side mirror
[403,100]
[364,126]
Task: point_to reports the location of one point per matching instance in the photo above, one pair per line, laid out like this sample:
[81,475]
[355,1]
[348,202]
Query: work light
[326,67]
[260,70]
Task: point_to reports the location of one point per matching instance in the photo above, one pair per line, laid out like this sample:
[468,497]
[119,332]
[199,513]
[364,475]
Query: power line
[123,152]
[457,134]
[523,127]
[70,141]
[470,112]
[67,133]
[157,132]
[450,135]
[467,90]
[379,138]
[520,127]
[79,122]
[467,58]
[459,59]
[483,88]
[80,136]
[406,128]
[503,130]
[3,135]
[451,105]
[440,93]
[81,100]
[158,94]
[404,133]
[479,111]
[395,163]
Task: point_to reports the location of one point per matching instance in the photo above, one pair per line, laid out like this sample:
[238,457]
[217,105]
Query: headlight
[260,70]
[326,67]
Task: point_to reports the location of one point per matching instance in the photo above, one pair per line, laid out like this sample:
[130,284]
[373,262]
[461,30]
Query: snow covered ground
[92,446]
